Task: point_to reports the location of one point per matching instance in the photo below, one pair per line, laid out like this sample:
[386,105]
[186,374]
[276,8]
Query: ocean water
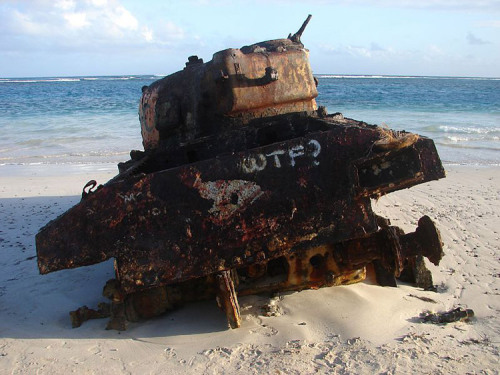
[461,115]
[81,121]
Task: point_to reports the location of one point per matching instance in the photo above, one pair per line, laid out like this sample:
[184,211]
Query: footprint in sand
[265,330]
[169,353]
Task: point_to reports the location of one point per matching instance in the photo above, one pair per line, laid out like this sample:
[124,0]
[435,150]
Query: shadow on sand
[37,306]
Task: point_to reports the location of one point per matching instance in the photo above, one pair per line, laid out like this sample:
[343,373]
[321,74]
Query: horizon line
[333,75]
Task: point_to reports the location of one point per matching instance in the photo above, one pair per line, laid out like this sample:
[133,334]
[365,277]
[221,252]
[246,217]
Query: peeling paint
[230,197]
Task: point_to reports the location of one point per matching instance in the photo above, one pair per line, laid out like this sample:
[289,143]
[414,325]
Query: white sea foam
[33,80]
[64,80]
[487,130]
[368,76]
[468,129]
[122,78]
[72,79]
[458,139]
[352,76]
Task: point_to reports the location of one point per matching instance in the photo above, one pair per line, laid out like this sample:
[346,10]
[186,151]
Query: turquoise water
[83,120]
[461,115]
[69,120]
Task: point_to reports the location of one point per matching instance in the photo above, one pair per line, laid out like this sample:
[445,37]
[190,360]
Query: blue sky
[114,37]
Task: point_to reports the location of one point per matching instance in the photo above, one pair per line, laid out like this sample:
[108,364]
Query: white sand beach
[357,329]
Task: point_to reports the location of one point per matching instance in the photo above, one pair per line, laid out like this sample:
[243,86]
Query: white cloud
[147,33]
[122,18]
[489,23]
[165,34]
[76,20]
[69,25]
[21,23]
[435,50]
[65,4]
[432,4]
[174,31]
[379,59]
[358,51]
[458,5]
[99,3]
[375,51]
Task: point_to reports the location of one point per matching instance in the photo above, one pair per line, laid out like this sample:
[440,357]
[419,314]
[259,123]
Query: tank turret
[261,80]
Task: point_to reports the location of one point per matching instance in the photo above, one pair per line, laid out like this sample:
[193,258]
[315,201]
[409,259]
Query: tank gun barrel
[296,37]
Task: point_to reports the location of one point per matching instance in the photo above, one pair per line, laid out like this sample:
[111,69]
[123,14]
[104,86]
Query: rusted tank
[244,186]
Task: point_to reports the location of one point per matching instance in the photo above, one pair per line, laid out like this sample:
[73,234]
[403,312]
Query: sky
[54,38]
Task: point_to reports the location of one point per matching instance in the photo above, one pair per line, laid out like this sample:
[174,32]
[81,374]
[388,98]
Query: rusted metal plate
[226,212]
[263,79]
[227,298]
